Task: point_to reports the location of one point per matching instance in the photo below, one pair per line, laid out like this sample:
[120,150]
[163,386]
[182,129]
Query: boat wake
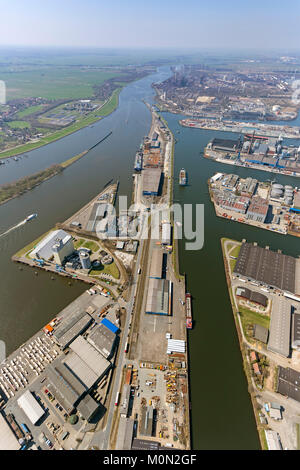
[23,222]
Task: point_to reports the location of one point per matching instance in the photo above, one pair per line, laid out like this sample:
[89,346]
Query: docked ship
[182,177]
[138,164]
[188,311]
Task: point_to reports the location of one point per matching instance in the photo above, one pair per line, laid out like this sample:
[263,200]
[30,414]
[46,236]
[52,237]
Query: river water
[222,416]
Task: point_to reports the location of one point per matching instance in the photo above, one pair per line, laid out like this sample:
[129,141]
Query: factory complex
[55,377]
[271,206]
[256,151]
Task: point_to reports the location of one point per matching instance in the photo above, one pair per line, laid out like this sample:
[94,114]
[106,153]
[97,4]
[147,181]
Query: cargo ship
[182,177]
[138,164]
[188,311]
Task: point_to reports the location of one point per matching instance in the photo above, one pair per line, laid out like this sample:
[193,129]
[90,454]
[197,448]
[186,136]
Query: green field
[111,269]
[29,111]
[19,124]
[54,83]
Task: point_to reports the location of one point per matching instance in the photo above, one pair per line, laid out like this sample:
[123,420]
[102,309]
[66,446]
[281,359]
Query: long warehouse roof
[272,268]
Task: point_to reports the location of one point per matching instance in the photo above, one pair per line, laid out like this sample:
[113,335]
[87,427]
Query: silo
[85,260]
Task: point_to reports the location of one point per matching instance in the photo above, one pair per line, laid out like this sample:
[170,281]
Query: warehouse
[31,407]
[258,209]
[225,145]
[158,297]
[8,440]
[143,444]
[103,339]
[156,264]
[111,326]
[296,331]
[271,268]
[248,187]
[252,296]
[71,327]
[151,181]
[98,212]
[125,434]
[260,333]
[88,408]
[44,249]
[289,383]
[166,230]
[64,386]
[280,328]
[86,363]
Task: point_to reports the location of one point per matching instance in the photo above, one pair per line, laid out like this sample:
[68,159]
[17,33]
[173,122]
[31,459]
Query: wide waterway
[222,416]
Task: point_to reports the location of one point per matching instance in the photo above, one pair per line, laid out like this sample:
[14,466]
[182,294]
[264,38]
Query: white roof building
[30,406]
[44,248]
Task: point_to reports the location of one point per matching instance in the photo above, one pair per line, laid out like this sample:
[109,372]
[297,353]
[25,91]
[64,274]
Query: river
[222,416]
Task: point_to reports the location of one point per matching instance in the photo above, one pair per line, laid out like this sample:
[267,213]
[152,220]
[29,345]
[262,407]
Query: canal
[222,416]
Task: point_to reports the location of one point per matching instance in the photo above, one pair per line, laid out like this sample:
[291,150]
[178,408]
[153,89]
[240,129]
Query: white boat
[30,217]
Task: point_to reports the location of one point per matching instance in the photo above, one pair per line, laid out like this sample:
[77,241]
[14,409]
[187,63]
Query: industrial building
[271,268]
[258,209]
[31,407]
[111,326]
[125,434]
[8,440]
[85,362]
[98,212]
[260,333]
[252,296]
[231,202]
[143,444]
[151,181]
[85,259]
[104,340]
[159,297]
[280,328]
[57,244]
[71,326]
[296,331]
[64,386]
[88,408]
[156,264]
[166,230]
[225,145]
[248,187]
[289,383]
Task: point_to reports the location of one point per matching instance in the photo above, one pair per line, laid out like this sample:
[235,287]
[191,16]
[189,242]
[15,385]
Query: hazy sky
[151,23]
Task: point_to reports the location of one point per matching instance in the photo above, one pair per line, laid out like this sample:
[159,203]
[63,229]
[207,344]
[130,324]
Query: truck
[117,399]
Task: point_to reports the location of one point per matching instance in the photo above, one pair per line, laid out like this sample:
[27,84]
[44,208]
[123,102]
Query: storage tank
[277,186]
[288,187]
[288,201]
[85,260]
